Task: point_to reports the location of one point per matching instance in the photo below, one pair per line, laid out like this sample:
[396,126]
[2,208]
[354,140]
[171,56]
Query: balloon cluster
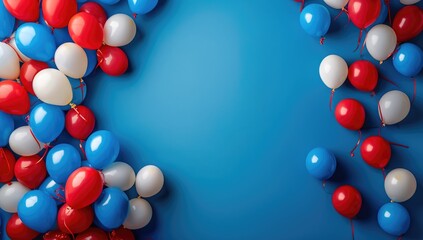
[382,42]
[48,47]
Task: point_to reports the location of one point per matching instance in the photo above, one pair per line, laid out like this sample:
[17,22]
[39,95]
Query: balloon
[7,22]
[74,220]
[321,163]
[333,71]
[17,230]
[400,185]
[13,98]
[315,20]
[140,213]
[35,41]
[92,61]
[121,233]
[86,31]
[56,235]
[28,71]
[47,122]
[376,151]
[112,60]
[337,4]
[52,86]
[394,219]
[363,75]
[30,171]
[57,13]
[21,56]
[7,126]
[102,149]
[394,106]
[120,175]
[80,122]
[92,233]
[119,30]
[347,201]
[38,211]
[7,165]
[22,142]
[56,191]
[408,23]
[96,10]
[62,160]
[409,2]
[363,12]
[111,208]
[10,195]
[24,10]
[143,6]
[109,2]
[71,60]
[381,42]
[83,187]
[149,181]
[350,114]
[9,62]
[408,59]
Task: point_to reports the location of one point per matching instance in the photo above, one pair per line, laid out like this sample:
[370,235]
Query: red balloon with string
[122,233]
[73,221]
[57,13]
[30,171]
[14,98]
[363,75]
[17,230]
[56,235]
[86,31]
[7,165]
[350,114]
[376,151]
[96,10]
[92,233]
[24,10]
[347,201]
[112,60]
[408,23]
[80,122]
[28,71]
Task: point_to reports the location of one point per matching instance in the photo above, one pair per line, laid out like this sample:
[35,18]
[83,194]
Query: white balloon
[71,60]
[119,30]
[394,106]
[140,213]
[53,87]
[149,181]
[409,2]
[120,175]
[23,143]
[21,56]
[9,62]
[381,42]
[400,185]
[10,195]
[333,71]
[337,4]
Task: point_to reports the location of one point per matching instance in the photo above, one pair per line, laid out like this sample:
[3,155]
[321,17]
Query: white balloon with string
[333,71]
[393,107]
[9,62]
[139,215]
[23,142]
[10,195]
[400,185]
[53,87]
[71,60]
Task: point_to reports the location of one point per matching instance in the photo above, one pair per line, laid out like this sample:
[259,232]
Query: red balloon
[347,201]
[376,151]
[408,23]
[363,75]
[80,122]
[350,114]
[83,187]
[96,10]
[121,234]
[7,165]
[112,60]
[30,171]
[28,72]
[57,13]
[92,233]
[56,235]
[364,13]
[24,10]
[17,230]
[73,221]
[13,98]
[86,31]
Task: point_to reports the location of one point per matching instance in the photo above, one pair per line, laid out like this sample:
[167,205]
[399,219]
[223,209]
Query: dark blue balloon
[7,22]
[408,59]
[142,6]
[102,149]
[55,190]
[109,2]
[47,122]
[111,208]
[61,161]
[321,163]
[315,20]
[79,91]
[36,41]
[394,219]
[7,125]
[38,211]
[92,61]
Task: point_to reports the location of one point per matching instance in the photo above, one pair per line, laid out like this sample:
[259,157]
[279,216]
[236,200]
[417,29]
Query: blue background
[225,97]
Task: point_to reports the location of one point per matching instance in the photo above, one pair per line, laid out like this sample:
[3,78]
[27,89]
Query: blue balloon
[92,61]
[102,149]
[109,2]
[55,190]
[36,41]
[38,211]
[79,91]
[408,60]
[142,6]
[7,22]
[47,122]
[321,163]
[315,20]
[111,208]
[61,161]
[7,125]
[394,219]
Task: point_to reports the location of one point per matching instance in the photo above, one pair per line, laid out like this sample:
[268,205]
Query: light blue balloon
[38,211]
[102,149]
[92,61]
[55,190]
[408,59]
[111,208]
[321,163]
[36,41]
[394,219]
[7,125]
[47,122]
[79,91]
[315,20]
[61,161]
[109,2]
[142,6]
[7,22]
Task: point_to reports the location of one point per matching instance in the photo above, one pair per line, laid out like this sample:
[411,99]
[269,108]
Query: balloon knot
[322,40]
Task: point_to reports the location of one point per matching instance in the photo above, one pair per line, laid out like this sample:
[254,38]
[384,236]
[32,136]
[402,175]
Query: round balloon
[347,201]
[119,30]
[7,126]
[149,181]
[408,59]
[400,185]
[83,187]
[7,165]
[111,208]
[80,122]
[381,42]
[23,142]
[36,41]
[394,106]
[10,195]
[13,98]
[30,171]
[96,10]
[58,13]
[102,149]
[9,62]
[71,60]
[142,7]
[62,160]
[47,122]
[140,213]
[24,10]
[52,86]
[120,175]
[112,60]
[350,114]
[408,23]
[56,191]
[86,31]
[321,163]
[333,71]
[363,13]
[315,20]
[17,230]
[376,151]
[394,219]
[363,75]
[74,221]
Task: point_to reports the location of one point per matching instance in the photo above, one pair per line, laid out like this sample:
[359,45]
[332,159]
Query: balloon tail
[382,122]
[332,93]
[81,142]
[67,228]
[343,10]
[360,35]
[356,145]
[352,228]
[81,86]
[383,173]
[388,80]
[134,15]
[414,90]
[302,4]
[322,40]
[9,168]
[399,145]
[7,40]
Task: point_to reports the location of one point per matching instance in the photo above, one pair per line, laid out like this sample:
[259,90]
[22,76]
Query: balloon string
[134,15]
[302,4]
[81,86]
[399,145]
[39,145]
[382,122]
[81,142]
[356,145]
[5,158]
[322,40]
[67,228]
[100,56]
[360,35]
[332,93]
[46,147]
[383,173]
[343,10]
[388,80]
[414,89]
[59,196]
[352,228]
[75,108]
[388,5]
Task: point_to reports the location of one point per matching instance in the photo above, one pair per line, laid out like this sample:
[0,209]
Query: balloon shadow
[341,173]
